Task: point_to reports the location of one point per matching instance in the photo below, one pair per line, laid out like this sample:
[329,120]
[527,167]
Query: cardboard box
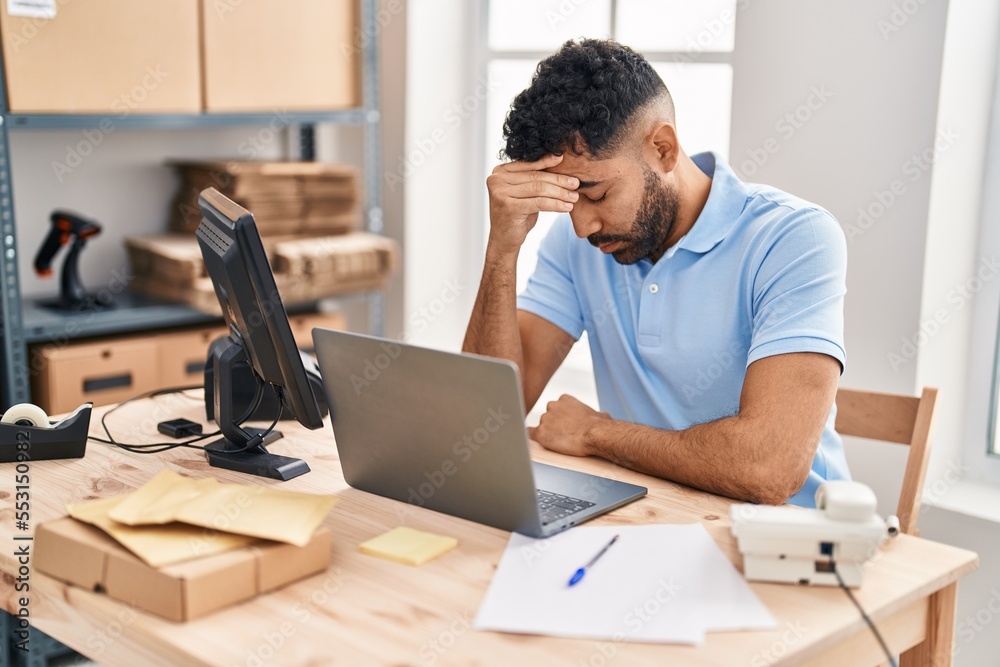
[114,369]
[183,354]
[281,55]
[302,326]
[115,57]
[102,372]
[80,554]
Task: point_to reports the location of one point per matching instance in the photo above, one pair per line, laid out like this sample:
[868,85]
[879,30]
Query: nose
[585,223]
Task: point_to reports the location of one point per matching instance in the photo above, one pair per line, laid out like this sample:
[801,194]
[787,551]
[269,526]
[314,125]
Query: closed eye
[598,201]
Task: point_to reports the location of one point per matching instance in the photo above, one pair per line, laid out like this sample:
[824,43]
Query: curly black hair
[583,99]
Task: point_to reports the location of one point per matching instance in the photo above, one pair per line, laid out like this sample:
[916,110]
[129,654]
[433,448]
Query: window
[689,44]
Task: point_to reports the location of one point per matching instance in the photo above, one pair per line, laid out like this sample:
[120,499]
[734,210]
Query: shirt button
[654,288]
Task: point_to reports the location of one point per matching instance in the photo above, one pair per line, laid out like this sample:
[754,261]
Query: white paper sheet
[657,583]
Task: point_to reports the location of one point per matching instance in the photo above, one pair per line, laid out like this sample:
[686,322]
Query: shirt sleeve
[551,293]
[798,288]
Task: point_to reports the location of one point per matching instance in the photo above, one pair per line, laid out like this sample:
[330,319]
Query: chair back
[904,420]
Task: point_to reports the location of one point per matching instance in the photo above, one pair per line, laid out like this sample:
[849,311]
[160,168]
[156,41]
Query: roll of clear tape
[26,414]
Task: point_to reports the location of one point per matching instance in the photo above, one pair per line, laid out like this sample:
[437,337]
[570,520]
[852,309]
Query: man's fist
[563,428]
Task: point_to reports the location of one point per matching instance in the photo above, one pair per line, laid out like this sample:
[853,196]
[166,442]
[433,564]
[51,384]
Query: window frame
[987,310]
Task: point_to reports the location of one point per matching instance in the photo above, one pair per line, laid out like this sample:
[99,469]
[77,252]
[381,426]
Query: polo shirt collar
[726,200]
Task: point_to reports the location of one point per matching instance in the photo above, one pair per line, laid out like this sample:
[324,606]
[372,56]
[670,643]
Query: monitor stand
[231,451]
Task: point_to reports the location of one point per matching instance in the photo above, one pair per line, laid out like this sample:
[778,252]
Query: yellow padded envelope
[156,545]
[406,545]
[270,514]
[255,511]
[156,501]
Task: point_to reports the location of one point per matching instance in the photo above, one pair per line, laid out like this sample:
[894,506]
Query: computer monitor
[259,336]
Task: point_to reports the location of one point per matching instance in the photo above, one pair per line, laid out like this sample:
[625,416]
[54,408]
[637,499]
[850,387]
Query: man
[714,308]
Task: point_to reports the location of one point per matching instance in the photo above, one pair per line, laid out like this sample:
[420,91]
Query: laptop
[446,431]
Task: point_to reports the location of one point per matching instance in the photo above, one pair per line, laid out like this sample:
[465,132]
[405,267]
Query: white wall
[441,151]
[873,100]
[881,109]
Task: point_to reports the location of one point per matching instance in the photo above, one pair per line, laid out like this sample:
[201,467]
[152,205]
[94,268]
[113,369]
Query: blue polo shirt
[760,273]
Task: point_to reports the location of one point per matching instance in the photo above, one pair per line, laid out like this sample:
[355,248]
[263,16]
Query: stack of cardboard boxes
[306,214]
[284,197]
[306,267]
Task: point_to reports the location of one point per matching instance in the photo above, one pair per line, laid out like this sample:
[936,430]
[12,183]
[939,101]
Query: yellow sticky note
[405,545]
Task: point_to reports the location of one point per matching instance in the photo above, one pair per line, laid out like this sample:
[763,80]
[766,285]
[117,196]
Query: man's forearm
[731,457]
[493,327]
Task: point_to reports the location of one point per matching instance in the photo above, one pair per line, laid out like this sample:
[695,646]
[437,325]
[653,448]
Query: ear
[662,147]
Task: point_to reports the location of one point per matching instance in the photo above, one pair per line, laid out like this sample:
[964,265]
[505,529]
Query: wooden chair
[906,420]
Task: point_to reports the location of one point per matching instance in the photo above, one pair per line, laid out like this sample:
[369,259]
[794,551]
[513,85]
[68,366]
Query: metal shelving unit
[23,322]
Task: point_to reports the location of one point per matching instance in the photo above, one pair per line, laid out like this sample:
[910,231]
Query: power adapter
[179,428]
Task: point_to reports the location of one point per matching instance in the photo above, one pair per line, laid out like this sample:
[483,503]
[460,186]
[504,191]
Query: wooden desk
[367,611]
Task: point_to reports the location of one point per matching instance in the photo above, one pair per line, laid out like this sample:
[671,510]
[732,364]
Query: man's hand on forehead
[519,191]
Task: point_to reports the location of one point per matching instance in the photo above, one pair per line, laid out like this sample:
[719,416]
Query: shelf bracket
[14,387]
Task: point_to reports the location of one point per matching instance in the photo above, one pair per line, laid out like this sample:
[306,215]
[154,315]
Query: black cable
[157,447]
[878,636]
[258,440]
[258,396]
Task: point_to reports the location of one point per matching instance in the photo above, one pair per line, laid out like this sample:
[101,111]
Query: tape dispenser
[27,434]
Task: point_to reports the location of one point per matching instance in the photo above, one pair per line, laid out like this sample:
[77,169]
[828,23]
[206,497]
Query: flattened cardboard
[80,554]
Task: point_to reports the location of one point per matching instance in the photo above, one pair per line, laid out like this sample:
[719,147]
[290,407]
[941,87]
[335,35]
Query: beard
[652,225]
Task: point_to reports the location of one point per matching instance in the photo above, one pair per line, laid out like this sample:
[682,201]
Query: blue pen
[578,575]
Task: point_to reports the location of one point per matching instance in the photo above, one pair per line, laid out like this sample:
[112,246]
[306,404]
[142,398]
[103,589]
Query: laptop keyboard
[555,507]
